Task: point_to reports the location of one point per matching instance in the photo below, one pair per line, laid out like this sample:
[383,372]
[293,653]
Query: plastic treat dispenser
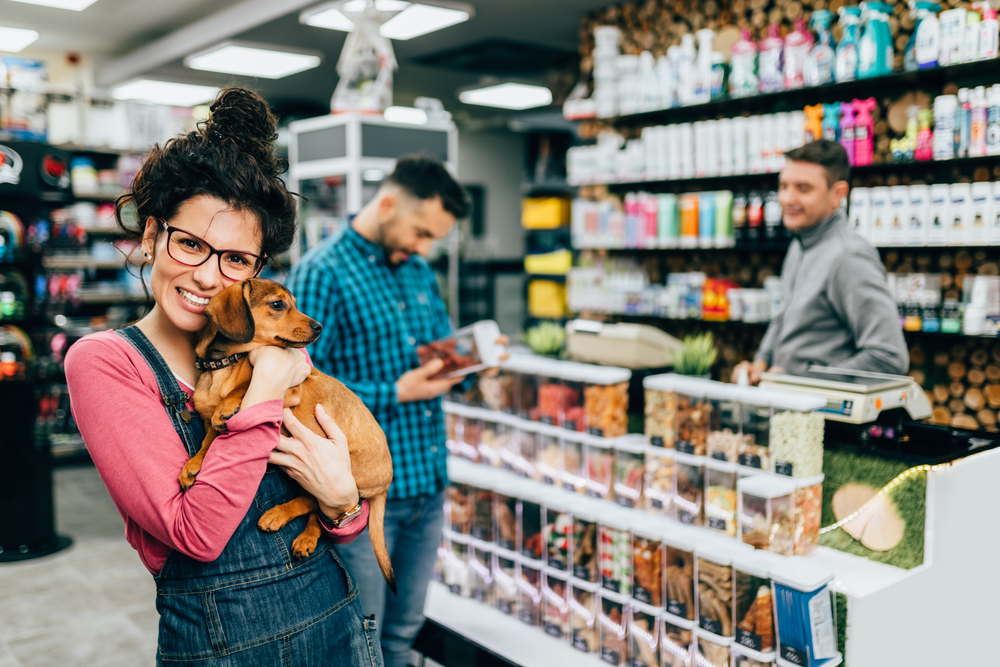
[483,527]
[481,565]
[555,605]
[644,635]
[808,509]
[583,616]
[615,551]
[505,575]
[755,427]
[680,594]
[661,411]
[456,567]
[689,477]
[459,507]
[720,496]
[711,651]
[796,434]
[612,621]
[530,522]
[724,437]
[507,506]
[585,549]
[658,485]
[526,462]
[629,470]
[468,350]
[557,532]
[574,469]
[714,567]
[549,465]
[676,640]
[753,606]
[529,584]
[694,414]
[766,511]
[571,415]
[508,442]
[489,445]
[605,400]
[599,455]
[806,622]
[647,563]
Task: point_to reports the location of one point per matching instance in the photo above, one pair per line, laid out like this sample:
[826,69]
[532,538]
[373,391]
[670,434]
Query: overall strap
[187,425]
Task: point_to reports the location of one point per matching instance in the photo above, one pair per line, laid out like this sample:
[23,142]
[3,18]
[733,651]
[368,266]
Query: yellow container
[546,299]
[544,212]
[555,263]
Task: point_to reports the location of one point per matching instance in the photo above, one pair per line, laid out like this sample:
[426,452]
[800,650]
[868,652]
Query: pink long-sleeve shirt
[117,405]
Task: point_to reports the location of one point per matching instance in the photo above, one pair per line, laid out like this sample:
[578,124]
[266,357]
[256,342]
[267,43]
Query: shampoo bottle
[863,132]
[743,66]
[814,122]
[875,48]
[847,130]
[665,79]
[770,65]
[831,121]
[925,137]
[846,66]
[952,32]
[962,113]
[819,64]
[977,123]
[993,121]
[909,140]
[686,70]
[798,45]
[925,42]
[970,37]
[703,82]
[989,32]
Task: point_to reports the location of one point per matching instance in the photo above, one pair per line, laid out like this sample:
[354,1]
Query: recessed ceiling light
[13,40]
[508,96]
[418,20]
[407,115]
[72,5]
[330,19]
[380,5]
[253,60]
[165,92]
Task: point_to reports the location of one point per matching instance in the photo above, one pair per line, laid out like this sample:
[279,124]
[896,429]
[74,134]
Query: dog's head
[254,313]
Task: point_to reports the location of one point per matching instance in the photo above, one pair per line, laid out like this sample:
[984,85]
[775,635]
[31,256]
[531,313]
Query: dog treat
[558,534]
[797,443]
[506,521]
[678,577]
[526,396]
[616,559]
[600,469]
[459,507]
[555,608]
[692,424]
[715,598]
[447,351]
[574,475]
[505,586]
[573,415]
[498,392]
[471,437]
[550,459]
[659,484]
[661,413]
[712,654]
[527,459]
[583,619]
[489,445]
[531,529]
[613,632]
[754,451]
[720,500]
[509,446]
[688,492]
[767,515]
[645,637]
[606,408]
[482,576]
[456,570]
[585,550]
[675,645]
[725,445]
[554,399]
[630,468]
[807,511]
[482,515]
[647,570]
[755,628]
[530,584]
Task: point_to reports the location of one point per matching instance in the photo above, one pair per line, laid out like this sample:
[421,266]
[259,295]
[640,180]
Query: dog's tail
[376,533]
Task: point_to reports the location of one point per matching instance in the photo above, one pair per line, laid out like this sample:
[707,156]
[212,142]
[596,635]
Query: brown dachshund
[255,313]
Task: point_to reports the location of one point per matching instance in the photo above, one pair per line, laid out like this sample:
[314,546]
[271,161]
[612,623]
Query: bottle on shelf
[989,32]
[798,45]
[925,43]
[819,65]
[846,66]
[962,123]
[743,80]
[970,37]
[925,136]
[831,121]
[847,130]
[864,139]
[770,61]
[875,53]
[814,122]
[993,121]
[977,123]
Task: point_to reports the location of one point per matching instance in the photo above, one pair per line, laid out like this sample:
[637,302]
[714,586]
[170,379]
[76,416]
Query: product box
[880,221]
[939,215]
[961,213]
[919,210]
[470,349]
[899,213]
[861,211]
[982,213]
[544,212]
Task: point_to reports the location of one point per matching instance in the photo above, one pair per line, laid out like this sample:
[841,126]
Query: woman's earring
[149,258]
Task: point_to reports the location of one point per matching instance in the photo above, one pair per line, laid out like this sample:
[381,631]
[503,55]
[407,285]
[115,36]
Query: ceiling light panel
[72,5]
[331,19]
[406,115]
[253,61]
[418,20]
[508,96]
[13,40]
[164,92]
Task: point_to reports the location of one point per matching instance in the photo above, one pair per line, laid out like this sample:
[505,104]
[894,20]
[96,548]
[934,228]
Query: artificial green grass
[841,610]
[909,497]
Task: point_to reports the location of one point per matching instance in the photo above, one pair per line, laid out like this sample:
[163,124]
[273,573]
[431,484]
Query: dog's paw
[303,546]
[220,419]
[187,476]
[272,521]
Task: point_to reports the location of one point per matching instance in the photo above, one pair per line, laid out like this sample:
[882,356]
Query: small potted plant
[697,356]
[546,338]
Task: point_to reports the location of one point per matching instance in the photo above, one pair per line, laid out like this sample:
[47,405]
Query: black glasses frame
[261,259]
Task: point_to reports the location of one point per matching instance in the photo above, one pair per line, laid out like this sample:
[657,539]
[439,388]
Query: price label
[710,625]
[794,656]
[455,589]
[549,480]
[717,524]
[685,517]
[599,432]
[579,643]
[479,595]
[678,609]
[609,656]
[439,577]
[656,441]
[556,563]
[719,456]
[610,583]
[625,502]
[548,420]
[482,534]
[528,617]
[783,468]
[750,461]
[568,486]
[748,639]
[553,630]
[656,503]
[504,606]
[636,662]
[685,447]
[506,544]
[570,425]
[457,528]
[581,572]
[642,595]
[508,467]
[593,493]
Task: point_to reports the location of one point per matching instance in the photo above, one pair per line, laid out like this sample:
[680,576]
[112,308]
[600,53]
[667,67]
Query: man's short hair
[426,178]
[825,153]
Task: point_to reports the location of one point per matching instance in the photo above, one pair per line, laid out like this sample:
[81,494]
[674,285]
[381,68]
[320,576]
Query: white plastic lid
[531,563]
[528,363]
[806,482]
[646,525]
[589,586]
[677,621]
[800,402]
[633,444]
[647,609]
[616,518]
[720,466]
[545,429]
[615,597]
[678,536]
[507,554]
[660,452]
[689,459]
[682,384]
[766,486]
[556,500]
[715,639]
[801,574]
[552,573]
[459,537]
[575,371]
[598,441]
[721,552]
[758,562]
[586,511]
[573,436]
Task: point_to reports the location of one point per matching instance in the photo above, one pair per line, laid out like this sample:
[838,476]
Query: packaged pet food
[468,350]
[805,615]
[612,620]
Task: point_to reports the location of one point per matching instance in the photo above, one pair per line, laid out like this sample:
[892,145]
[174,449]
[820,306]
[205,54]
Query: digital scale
[855,397]
[633,346]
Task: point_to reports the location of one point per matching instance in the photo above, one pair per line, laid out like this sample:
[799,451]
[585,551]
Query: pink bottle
[847,130]
[798,43]
[864,130]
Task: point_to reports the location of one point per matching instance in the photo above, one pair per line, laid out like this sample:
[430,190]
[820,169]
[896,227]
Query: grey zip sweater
[836,310]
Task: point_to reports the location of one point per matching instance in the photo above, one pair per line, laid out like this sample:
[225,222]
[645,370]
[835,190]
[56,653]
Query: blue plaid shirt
[374,316]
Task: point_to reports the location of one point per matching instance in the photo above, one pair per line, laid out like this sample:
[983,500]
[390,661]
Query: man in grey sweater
[837,309]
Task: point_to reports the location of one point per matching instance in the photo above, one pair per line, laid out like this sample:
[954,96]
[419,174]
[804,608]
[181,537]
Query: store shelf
[87,195]
[887,86]
[97,296]
[80,262]
[757,246]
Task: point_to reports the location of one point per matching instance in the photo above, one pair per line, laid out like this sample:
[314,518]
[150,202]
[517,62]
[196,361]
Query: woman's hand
[321,465]
[275,371]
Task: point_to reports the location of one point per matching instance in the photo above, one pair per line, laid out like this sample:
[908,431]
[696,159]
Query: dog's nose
[316,327]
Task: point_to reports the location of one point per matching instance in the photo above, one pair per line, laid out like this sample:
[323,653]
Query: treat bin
[767,513]
[724,438]
[526,464]
[714,567]
[458,507]
[741,660]
[600,459]
[689,478]
[807,509]
[644,635]
[550,394]
[574,469]
[647,562]
[452,431]
[555,607]
[676,642]
[557,532]
[456,567]
[470,349]
[483,527]
[680,599]
[498,391]
[612,621]
[530,523]
[615,551]
[529,585]
[796,434]
[755,420]
[712,651]
[658,485]
[508,444]
[694,417]
[720,496]
[571,411]
[550,454]
[630,468]
[443,553]
[481,565]
[804,614]
[585,544]
[523,369]
[505,575]
[583,616]
[605,401]
[507,507]
[489,444]
[472,432]
[661,411]
[752,604]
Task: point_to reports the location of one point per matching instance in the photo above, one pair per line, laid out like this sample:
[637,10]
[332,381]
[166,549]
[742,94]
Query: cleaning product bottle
[686,70]
[819,64]
[993,121]
[769,63]
[719,73]
[875,47]
[977,123]
[831,121]
[989,32]
[962,120]
[864,146]
[648,84]
[665,79]
[970,37]
[908,144]
[847,130]
[846,66]
[814,122]
[925,137]
[743,66]
[925,42]
[798,44]
[703,82]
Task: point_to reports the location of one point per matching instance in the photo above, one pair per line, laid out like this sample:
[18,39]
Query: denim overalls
[256,604]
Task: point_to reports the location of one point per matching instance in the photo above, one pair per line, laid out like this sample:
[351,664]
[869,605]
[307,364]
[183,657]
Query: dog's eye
[279,305]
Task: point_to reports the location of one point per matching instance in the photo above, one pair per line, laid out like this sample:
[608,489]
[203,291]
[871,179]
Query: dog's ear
[229,311]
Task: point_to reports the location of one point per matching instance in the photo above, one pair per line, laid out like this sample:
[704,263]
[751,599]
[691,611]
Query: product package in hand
[468,350]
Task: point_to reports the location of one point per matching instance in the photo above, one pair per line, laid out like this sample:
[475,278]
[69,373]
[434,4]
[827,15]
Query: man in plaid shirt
[378,300]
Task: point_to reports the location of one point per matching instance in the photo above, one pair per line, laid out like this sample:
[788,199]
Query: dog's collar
[216,364]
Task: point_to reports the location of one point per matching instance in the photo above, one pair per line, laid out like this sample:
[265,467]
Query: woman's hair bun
[243,117]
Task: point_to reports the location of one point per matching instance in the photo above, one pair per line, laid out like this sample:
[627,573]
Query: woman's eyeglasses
[187,249]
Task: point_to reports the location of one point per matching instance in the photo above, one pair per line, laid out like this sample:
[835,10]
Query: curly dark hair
[230,157]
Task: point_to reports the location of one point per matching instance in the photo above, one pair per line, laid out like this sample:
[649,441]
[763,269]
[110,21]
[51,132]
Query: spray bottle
[925,42]
[846,66]
[703,81]
[686,71]
[908,144]
[925,137]
[814,122]
[743,63]
[847,130]
[962,119]
[665,80]
[831,121]
[970,37]
[798,45]
[875,47]
[989,32]
[770,72]
[819,64]
[864,146]
[977,123]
